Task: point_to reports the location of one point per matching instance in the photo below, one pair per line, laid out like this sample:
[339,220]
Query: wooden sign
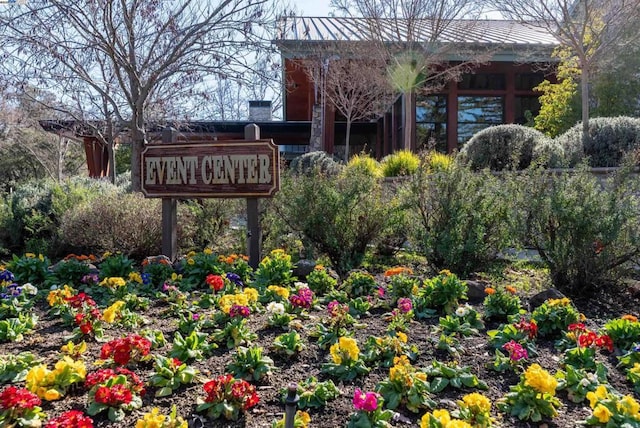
[220,169]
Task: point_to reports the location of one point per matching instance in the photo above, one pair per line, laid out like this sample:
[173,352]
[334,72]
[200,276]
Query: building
[495,89]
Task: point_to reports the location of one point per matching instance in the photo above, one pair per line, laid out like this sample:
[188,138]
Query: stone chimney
[260,111]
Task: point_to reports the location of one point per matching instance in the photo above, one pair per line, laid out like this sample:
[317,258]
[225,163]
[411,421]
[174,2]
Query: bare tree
[590,28]
[420,39]
[157,53]
[356,86]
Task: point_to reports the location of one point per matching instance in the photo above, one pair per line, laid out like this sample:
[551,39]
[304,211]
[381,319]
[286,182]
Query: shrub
[117,222]
[38,206]
[459,219]
[436,162]
[365,164]
[502,147]
[402,162]
[584,231]
[609,139]
[210,219]
[308,162]
[340,215]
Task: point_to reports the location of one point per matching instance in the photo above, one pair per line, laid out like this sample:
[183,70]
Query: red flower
[71,419]
[103,395]
[251,401]
[120,394]
[13,398]
[176,362]
[215,281]
[577,326]
[122,355]
[586,340]
[606,342]
[86,328]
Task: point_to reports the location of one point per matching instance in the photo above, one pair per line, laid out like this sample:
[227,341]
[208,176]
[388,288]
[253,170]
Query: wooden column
[169,210]
[452,117]
[252,133]
[510,98]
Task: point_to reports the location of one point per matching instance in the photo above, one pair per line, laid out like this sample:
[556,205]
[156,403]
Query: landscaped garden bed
[394,343]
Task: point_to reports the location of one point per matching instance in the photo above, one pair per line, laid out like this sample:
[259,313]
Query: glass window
[431,122]
[483,81]
[524,105]
[477,113]
[528,81]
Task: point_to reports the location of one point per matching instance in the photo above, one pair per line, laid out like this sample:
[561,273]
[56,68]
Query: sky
[312,7]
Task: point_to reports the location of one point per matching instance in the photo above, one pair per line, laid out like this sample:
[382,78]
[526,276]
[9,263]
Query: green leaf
[163,392]
[438,384]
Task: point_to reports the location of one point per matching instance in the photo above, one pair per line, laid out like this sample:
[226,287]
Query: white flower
[30,289]
[275,308]
[299,284]
[585,382]
[462,311]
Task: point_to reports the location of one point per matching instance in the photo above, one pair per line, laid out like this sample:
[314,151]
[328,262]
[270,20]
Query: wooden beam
[254,238]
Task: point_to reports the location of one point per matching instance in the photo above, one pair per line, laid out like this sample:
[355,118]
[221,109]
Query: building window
[431,122]
[477,113]
[528,81]
[526,107]
[483,81]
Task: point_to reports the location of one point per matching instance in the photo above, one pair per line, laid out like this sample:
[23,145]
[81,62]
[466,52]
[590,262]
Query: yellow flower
[135,277]
[113,282]
[599,394]
[602,413]
[151,420]
[110,314]
[401,336]
[52,394]
[191,253]
[280,291]
[74,350]
[445,272]
[457,423]
[401,360]
[57,297]
[35,377]
[539,379]
[304,418]
[334,351]
[190,261]
[478,402]
[630,406]
[440,415]
[30,255]
[397,373]
[41,257]
[226,302]
[252,295]
[350,346]
[207,251]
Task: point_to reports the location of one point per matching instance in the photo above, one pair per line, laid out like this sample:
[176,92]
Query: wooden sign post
[247,168]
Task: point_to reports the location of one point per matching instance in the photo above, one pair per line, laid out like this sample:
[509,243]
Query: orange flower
[319,267]
[510,289]
[397,271]
[629,317]
[490,291]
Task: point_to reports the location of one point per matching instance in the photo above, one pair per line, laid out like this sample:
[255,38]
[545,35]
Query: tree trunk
[408,119]
[346,140]
[138,141]
[112,161]
[584,87]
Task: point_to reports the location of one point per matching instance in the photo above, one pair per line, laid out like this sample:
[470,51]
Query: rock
[475,291]
[543,296]
[303,268]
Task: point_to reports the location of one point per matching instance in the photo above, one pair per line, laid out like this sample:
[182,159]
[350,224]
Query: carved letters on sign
[221,169]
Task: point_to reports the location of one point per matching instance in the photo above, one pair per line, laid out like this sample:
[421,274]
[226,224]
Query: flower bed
[217,344]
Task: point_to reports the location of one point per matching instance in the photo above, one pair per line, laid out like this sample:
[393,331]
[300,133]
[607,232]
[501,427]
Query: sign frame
[213,148]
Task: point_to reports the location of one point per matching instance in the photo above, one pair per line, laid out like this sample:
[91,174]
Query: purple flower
[405,305]
[146,278]
[367,402]
[91,278]
[235,278]
[303,299]
[6,276]
[195,317]
[239,311]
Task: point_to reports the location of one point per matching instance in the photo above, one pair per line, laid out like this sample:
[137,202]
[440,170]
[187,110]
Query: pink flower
[515,350]
[365,401]
[405,305]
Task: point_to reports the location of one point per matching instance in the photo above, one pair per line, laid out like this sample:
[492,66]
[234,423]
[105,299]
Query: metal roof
[337,29]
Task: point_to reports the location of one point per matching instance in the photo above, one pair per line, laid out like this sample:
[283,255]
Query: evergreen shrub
[502,147]
[400,163]
[609,139]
